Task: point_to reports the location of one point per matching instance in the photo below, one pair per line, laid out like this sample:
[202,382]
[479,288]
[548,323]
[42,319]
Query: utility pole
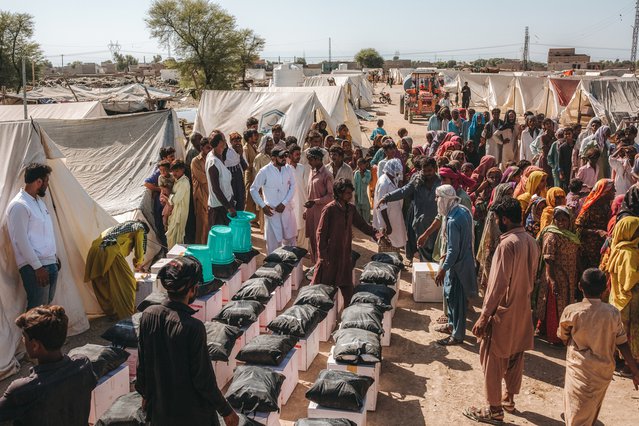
[62,62]
[330,63]
[526,57]
[24,87]
[635,35]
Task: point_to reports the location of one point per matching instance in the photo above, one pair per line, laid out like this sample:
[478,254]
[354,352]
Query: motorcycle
[385,98]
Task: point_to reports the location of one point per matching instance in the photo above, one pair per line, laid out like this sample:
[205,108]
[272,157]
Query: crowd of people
[540,221]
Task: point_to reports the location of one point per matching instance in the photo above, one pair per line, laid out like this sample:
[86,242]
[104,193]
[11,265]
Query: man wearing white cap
[389,216]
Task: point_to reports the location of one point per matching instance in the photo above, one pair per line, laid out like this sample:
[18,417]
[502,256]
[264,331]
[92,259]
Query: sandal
[508,406]
[485,415]
[443,319]
[444,328]
[449,341]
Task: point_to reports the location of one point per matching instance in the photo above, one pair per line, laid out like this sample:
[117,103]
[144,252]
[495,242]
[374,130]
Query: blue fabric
[456,302]
[453,128]
[379,156]
[377,131]
[478,120]
[434,123]
[157,208]
[36,295]
[460,262]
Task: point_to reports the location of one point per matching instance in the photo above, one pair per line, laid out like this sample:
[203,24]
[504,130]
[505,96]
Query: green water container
[241,231]
[221,245]
[203,254]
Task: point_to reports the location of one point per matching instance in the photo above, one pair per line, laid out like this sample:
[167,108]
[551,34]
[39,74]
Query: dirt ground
[421,382]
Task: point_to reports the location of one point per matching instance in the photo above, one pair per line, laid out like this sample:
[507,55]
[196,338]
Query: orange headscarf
[521,186]
[551,203]
[601,188]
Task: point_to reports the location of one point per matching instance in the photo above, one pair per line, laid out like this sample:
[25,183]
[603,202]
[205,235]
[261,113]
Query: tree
[369,58]
[301,61]
[157,59]
[215,52]
[16,32]
[122,62]
[249,49]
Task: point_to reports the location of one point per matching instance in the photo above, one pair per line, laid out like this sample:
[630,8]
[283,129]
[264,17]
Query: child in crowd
[361,179]
[574,199]
[348,151]
[379,130]
[59,387]
[165,182]
[589,172]
[593,331]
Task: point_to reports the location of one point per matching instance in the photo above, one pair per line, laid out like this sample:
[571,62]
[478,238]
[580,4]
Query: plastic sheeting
[228,111]
[71,110]
[77,220]
[358,88]
[335,101]
[257,74]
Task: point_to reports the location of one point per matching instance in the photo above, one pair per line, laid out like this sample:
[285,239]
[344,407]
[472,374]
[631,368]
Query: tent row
[125,99]
[358,88]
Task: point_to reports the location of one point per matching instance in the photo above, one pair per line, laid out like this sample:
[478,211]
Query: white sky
[426,29]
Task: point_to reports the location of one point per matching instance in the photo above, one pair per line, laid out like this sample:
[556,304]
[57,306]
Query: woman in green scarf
[558,273]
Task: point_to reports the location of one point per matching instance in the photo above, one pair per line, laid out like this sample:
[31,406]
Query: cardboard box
[387,323]
[132,362]
[284,293]
[318,412]
[289,368]
[297,276]
[155,268]
[368,370]
[268,314]
[177,251]
[423,283]
[307,350]
[109,388]
[250,332]
[267,419]
[232,286]
[248,269]
[144,286]
[207,306]
[328,324]
[224,370]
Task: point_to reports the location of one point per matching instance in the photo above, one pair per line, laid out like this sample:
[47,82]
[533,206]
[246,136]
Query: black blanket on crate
[104,359]
[379,273]
[342,390]
[246,257]
[224,272]
[278,272]
[287,254]
[255,388]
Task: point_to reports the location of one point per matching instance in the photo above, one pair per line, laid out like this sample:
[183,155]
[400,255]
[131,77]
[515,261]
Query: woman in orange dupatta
[592,223]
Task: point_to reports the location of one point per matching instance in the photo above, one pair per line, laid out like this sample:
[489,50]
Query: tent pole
[24,86]
[579,109]
[547,96]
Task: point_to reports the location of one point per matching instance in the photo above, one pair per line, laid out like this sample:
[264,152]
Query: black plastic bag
[363,315]
[155,298]
[104,359]
[220,339]
[390,258]
[240,313]
[124,333]
[379,273]
[316,295]
[342,390]
[208,288]
[246,257]
[278,272]
[356,346]
[255,388]
[258,289]
[125,411]
[324,422]
[287,254]
[354,257]
[376,294]
[226,271]
[298,321]
[267,349]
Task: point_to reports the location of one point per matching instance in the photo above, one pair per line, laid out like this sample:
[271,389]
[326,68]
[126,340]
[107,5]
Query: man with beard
[174,373]
[504,326]
[31,232]
[457,269]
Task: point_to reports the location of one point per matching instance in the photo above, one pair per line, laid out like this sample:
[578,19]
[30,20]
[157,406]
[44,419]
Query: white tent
[70,110]
[258,74]
[525,94]
[334,100]
[358,88]
[77,220]
[112,156]
[228,111]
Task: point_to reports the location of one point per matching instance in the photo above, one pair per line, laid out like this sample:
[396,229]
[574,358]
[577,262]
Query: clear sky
[426,29]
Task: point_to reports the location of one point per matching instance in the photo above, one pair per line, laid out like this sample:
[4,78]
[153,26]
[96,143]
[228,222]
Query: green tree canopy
[123,61]
[214,51]
[16,33]
[369,58]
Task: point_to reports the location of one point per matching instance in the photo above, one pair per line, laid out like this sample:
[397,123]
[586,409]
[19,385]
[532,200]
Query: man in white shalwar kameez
[389,216]
[301,173]
[277,182]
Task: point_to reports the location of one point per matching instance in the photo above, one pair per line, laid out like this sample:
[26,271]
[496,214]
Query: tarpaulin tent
[258,74]
[71,110]
[334,100]
[77,220]
[358,88]
[524,94]
[130,98]
[112,156]
[228,111]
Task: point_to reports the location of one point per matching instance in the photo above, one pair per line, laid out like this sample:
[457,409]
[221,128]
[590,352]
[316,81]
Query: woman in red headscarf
[451,142]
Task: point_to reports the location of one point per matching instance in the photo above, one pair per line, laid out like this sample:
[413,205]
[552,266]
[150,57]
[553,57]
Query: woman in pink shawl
[486,163]
[451,142]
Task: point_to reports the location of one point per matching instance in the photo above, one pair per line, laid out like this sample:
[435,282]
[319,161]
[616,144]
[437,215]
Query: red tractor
[422,92]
